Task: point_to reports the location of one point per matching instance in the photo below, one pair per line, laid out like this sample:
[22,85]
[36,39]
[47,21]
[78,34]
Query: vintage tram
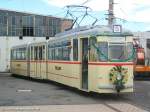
[92,59]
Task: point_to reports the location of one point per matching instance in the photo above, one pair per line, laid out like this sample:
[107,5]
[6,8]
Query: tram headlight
[119,76]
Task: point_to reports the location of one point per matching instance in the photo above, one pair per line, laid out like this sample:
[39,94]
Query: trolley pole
[111,13]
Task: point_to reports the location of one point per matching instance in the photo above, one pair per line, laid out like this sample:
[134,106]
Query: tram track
[112,108]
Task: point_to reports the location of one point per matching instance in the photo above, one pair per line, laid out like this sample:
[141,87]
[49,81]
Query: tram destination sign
[117,28]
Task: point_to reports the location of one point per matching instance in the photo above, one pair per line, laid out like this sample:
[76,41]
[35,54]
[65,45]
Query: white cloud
[126,9]
[62,3]
[133,10]
[96,5]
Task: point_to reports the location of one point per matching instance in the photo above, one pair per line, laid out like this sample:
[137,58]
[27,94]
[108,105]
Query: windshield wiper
[121,55]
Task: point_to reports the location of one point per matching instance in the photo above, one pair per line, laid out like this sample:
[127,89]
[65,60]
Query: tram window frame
[60,53]
[18,54]
[111,56]
[104,51]
[35,52]
[40,52]
[75,49]
[12,54]
[23,57]
[94,56]
[32,53]
[66,45]
[43,53]
[66,55]
[131,50]
[23,53]
[56,51]
[51,51]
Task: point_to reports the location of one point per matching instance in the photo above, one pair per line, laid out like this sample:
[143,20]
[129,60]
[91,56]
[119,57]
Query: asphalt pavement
[22,92]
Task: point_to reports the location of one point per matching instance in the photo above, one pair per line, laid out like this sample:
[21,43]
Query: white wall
[6,43]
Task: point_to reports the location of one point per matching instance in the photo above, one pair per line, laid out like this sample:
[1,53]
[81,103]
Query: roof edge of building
[30,13]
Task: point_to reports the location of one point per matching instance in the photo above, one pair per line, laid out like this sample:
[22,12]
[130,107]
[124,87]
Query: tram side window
[23,53]
[75,49]
[66,50]
[51,52]
[19,54]
[59,51]
[13,54]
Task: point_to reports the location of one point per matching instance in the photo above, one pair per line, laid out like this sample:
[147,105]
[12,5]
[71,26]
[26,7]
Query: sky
[131,14]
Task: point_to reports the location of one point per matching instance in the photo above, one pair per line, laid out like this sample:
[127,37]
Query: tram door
[38,62]
[41,62]
[84,63]
[36,58]
[28,61]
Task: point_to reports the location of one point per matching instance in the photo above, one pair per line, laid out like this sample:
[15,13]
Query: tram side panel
[67,73]
[61,67]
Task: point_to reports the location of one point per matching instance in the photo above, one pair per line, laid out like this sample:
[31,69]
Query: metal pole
[7,24]
[111,13]
[34,26]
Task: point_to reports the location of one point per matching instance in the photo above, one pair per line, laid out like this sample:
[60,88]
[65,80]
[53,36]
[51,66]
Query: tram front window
[117,51]
[114,51]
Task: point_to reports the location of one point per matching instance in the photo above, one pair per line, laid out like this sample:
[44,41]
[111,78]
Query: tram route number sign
[117,28]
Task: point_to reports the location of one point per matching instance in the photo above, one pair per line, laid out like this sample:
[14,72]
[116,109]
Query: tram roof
[19,46]
[93,31]
[28,44]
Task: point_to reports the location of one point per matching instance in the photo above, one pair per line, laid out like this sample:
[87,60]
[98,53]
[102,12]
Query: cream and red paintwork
[19,67]
[70,72]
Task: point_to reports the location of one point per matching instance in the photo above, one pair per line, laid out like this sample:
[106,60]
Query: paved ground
[21,92]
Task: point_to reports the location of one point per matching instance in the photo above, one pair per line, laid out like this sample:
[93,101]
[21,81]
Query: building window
[28,31]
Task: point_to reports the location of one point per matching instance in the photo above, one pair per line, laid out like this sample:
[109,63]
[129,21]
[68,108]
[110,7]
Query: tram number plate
[57,68]
[18,65]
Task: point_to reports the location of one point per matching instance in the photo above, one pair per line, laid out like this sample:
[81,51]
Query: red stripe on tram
[110,64]
[65,62]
